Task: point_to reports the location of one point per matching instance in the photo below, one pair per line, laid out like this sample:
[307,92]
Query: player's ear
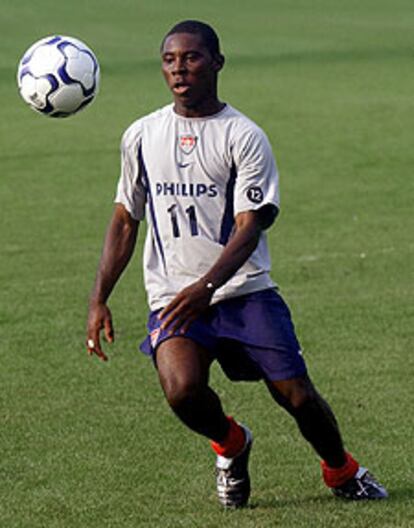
[218,62]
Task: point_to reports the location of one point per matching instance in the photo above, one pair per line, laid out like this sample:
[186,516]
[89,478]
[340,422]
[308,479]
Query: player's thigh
[183,365]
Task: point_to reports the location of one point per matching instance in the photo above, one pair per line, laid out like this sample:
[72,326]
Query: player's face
[190,70]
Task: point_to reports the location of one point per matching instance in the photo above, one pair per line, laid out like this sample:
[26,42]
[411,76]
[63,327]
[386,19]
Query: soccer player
[204,177]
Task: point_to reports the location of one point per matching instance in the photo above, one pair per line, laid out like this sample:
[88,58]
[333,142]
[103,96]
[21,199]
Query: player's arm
[117,251]
[241,245]
[193,300]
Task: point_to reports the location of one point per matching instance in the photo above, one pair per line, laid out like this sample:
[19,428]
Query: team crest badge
[154,335]
[187,143]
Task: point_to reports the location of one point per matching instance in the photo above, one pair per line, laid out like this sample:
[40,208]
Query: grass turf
[87,445]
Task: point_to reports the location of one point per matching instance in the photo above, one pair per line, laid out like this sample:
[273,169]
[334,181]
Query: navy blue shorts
[251,336]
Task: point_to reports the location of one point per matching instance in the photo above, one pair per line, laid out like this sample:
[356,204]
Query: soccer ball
[58,76]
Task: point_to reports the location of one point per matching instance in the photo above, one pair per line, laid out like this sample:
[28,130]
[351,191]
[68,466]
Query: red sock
[233,443]
[335,477]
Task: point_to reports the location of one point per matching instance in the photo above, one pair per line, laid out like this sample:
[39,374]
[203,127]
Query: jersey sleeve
[131,192]
[257,179]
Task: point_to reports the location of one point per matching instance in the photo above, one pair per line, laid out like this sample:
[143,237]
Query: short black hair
[206,32]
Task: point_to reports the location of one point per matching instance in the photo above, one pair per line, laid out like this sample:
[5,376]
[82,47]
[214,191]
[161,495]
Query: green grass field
[87,445]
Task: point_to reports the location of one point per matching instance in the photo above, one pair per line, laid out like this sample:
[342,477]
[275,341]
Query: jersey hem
[217,297]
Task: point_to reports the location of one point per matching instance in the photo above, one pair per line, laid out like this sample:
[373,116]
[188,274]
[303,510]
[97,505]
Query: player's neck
[204,109]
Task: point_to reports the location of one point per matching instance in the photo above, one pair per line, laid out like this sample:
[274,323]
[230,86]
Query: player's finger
[186,324]
[171,306]
[100,353]
[94,347]
[109,330]
[173,320]
[181,322]
[175,326]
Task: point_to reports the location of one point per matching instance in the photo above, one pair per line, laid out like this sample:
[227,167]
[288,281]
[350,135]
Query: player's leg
[313,415]
[183,368]
[318,425]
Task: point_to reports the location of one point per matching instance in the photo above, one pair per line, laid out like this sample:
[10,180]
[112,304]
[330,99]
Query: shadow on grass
[396,495]
[275,502]
[401,494]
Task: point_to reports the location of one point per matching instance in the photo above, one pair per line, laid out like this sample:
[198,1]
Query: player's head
[195,27]
[191,60]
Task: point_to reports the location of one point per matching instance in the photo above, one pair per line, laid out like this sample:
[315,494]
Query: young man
[205,178]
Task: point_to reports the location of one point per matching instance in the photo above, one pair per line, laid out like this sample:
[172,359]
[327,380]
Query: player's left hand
[186,307]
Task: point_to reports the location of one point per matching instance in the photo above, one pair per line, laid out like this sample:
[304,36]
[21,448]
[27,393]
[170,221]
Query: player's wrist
[97,300]
[209,284]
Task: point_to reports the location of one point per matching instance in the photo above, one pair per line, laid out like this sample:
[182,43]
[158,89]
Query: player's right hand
[99,318]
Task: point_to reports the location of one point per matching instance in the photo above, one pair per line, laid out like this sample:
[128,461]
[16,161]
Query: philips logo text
[186,189]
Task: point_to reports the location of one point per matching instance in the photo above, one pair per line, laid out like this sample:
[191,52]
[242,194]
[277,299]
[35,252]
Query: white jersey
[189,177]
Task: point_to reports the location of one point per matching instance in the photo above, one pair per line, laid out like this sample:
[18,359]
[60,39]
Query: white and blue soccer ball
[58,76]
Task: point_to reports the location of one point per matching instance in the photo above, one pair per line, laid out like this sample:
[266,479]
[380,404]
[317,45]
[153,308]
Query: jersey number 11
[192,220]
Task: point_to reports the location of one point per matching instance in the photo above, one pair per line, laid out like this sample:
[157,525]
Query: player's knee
[301,398]
[296,394]
[181,392]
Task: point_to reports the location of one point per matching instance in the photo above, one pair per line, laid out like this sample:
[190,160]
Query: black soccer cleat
[232,476]
[362,486]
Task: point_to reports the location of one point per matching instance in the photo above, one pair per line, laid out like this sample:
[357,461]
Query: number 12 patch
[255,194]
